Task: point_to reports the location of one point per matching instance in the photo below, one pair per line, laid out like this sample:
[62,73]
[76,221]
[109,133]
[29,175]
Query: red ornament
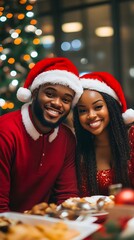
[125,196]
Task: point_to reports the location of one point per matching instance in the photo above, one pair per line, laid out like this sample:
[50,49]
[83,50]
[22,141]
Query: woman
[105,135]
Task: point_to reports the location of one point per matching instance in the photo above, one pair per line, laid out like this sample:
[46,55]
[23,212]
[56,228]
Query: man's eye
[67,100]
[49,94]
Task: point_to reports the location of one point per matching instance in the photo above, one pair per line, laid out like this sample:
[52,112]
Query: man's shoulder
[67,130]
[10,118]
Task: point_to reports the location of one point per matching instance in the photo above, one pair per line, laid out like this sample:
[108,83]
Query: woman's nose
[91,114]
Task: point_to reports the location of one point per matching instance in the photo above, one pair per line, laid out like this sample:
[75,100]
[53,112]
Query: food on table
[21,231]
[42,209]
[95,203]
[73,208]
[5,223]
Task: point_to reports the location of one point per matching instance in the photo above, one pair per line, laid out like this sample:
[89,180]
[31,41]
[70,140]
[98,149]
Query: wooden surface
[121,211]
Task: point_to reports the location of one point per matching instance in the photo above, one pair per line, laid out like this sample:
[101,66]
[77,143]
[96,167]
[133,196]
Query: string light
[31,65]
[9,15]
[1,9]
[17,41]
[36,41]
[26,57]
[1,48]
[21,16]
[18,30]
[33,22]
[29,7]
[23,1]
[11,60]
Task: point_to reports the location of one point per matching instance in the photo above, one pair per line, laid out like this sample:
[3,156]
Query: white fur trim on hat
[128,116]
[99,86]
[59,77]
[24,94]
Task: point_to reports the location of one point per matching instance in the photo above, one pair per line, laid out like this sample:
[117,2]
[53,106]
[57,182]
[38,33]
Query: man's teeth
[53,112]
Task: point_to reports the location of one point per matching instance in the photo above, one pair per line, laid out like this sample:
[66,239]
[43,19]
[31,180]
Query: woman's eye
[98,107]
[80,111]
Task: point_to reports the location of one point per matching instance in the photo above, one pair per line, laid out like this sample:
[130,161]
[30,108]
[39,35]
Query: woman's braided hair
[119,145]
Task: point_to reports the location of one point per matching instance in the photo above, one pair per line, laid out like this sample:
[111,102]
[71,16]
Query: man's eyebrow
[49,88]
[68,95]
[65,95]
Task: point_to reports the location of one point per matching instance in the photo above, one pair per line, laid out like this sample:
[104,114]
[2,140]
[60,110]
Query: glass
[115,188]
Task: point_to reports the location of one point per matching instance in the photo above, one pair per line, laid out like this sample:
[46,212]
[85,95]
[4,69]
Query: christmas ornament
[125,196]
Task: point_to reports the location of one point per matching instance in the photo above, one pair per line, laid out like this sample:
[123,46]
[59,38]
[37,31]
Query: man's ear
[35,93]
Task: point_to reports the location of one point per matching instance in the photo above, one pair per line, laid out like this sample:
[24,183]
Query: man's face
[52,104]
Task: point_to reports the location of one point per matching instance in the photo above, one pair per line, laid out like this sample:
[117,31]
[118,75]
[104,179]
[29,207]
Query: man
[36,151]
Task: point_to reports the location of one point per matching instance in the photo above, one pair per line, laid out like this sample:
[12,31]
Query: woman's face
[93,112]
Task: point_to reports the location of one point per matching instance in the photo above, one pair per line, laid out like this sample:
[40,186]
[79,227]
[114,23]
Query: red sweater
[31,170]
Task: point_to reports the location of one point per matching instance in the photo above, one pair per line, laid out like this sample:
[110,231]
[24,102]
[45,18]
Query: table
[118,214]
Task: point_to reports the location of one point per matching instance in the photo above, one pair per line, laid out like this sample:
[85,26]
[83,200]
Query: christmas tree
[20,48]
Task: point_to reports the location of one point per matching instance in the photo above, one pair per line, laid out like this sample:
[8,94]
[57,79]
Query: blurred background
[96,35]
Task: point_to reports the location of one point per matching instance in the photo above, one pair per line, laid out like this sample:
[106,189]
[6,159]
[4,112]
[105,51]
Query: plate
[102,214]
[94,199]
[101,217]
[84,230]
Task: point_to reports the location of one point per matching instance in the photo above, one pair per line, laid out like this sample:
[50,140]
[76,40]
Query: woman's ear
[35,93]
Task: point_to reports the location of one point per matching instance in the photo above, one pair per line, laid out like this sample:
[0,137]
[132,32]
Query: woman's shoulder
[131,133]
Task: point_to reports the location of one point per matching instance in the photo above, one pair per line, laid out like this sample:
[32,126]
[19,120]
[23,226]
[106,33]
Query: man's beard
[39,115]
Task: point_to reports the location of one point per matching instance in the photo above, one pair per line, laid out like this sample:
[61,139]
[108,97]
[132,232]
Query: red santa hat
[57,70]
[106,83]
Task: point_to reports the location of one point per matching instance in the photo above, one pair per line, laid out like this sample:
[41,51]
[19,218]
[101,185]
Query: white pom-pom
[24,94]
[128,116]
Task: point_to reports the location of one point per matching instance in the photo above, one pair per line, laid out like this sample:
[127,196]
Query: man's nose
[57,101]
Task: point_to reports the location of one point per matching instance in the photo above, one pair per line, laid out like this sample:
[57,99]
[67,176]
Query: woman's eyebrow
[99,100]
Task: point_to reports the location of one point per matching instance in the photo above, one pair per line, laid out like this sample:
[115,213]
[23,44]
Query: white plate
[85,230]
[94,199]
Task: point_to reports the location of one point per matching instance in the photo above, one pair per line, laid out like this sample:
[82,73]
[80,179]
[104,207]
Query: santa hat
[57,70]
[106,83]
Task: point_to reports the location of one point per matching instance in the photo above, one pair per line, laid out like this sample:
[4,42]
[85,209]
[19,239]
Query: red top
[31,169]
[106,177]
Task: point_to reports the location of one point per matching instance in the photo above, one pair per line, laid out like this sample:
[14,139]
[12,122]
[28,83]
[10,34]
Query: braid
[85,155]
[118,139]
